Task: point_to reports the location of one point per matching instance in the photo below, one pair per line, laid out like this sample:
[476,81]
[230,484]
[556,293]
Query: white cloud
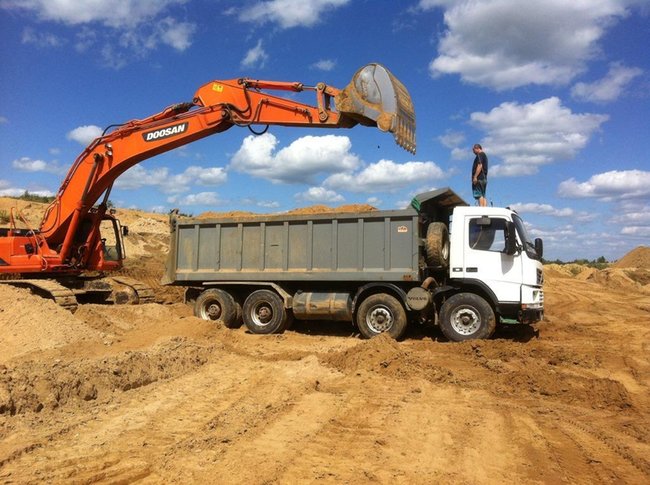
[385,176]
[608,88]
[555,234]
[268,204]
[499,44]
[138,176]
[301,161]
[175,34]
[11,192]
[324,65]
[84,135]
[3,120]
[637,231]
[374,201]
[320,194]
[112,13]
[452,139]
[205,176]
[289,13]
[255,57]
[6,190]
[27,164]
[544,209]
[252,201]
[135,27]
[526,136]
[159,209]
[41,39]
[201,198]
[632,214]
[607,186]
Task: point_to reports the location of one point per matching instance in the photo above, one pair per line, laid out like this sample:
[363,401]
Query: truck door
[485,257]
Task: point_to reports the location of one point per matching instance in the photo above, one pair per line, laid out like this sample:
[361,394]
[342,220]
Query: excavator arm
[68,235]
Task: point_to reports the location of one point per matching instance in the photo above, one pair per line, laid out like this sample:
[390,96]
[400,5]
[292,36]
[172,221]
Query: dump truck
[464,269]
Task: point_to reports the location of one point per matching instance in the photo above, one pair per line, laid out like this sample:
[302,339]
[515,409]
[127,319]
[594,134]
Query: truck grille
[540,277]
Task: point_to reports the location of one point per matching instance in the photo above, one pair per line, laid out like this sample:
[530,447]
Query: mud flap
[375,97]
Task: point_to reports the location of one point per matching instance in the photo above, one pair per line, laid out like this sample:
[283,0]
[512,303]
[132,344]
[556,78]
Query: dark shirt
[481,158]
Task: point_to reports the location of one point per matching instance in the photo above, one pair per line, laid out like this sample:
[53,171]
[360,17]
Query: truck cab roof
[437,204]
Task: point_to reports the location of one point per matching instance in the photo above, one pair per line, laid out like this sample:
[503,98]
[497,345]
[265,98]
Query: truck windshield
[529,245]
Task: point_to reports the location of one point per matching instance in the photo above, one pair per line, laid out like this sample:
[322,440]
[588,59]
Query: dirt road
[118,394]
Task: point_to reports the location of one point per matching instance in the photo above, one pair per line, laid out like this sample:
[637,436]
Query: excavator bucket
[375,97]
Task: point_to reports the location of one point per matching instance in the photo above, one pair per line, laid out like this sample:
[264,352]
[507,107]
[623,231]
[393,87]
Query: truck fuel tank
[322,306]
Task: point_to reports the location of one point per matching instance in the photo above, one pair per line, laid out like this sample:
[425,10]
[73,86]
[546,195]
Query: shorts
[478,189]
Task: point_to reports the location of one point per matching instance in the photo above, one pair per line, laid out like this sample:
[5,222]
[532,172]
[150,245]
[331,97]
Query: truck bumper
[530,315]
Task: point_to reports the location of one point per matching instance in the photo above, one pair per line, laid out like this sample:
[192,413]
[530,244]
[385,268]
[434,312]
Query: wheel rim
[379,319]
[211,310]
[445,251]
[262,314]
[466,320]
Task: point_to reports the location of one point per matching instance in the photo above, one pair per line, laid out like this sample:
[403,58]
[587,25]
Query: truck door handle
[472,269]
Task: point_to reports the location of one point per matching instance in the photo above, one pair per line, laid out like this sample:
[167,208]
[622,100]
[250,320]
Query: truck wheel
[264,312]
[466,316]
[215,304]
[437,245]
[381,313]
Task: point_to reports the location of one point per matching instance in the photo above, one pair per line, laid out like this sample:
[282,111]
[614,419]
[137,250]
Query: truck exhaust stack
[376,97]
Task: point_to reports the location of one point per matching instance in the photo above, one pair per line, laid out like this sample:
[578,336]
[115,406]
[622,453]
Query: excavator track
[61,295]
[118,290]
[143,293]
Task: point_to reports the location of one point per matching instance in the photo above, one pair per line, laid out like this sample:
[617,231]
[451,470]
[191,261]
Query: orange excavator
[79,240]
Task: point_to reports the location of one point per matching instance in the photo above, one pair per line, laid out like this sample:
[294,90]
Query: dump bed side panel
[377,246]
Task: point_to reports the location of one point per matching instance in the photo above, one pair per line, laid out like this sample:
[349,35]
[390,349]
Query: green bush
[36,198]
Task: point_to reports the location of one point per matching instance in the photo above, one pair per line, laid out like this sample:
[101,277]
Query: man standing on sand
[479,175]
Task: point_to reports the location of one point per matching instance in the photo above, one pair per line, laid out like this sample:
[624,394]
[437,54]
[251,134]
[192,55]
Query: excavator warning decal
[217,87]
[165,132]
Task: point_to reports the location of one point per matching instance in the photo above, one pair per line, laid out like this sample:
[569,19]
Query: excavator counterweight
[375,96]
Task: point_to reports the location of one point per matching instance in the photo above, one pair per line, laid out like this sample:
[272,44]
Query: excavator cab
[375,97]
[111,240]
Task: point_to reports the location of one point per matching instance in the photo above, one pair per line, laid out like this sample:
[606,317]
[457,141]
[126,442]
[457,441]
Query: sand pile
[637,258]
[30,323]
[312,209]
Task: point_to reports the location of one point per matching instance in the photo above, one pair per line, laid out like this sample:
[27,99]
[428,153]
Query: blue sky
[557,92]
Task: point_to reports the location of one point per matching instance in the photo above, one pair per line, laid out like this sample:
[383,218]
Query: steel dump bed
[360,246]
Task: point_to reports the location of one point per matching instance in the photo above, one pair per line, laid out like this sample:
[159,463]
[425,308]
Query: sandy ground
[149,393]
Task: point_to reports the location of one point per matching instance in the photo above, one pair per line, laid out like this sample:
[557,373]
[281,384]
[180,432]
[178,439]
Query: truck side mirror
[511,239]
[125,230]
[539,247]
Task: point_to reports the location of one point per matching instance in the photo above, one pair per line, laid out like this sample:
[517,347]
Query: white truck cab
[491,258]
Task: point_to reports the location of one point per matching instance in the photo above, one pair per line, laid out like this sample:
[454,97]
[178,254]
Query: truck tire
[467,316]
[437,245]
[215,304]
[264,312]
[381,313]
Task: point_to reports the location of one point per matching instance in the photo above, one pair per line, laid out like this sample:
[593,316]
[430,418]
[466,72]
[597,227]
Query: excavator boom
[69,241]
